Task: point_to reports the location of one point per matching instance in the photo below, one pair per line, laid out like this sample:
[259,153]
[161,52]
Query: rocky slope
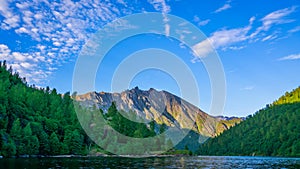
[162,107]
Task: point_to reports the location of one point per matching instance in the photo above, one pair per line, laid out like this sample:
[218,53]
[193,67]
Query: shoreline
[131,156]
[87,156]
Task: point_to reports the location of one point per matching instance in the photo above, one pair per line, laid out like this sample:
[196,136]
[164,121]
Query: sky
[256,41]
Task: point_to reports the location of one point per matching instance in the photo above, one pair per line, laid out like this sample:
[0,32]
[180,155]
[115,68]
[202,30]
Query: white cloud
[56,43]
[21,30]
[61,29]
[16,67]
[161,5]
[167,29]
[24,63]
[221,39]
[4,52]
[223,8]
[66,25]
[122,2]
[296,29]
[19,57]
[291,57]
[233,48]
[11,20]
[201,22]
[27,65]
[203,48]
[275,18]
[22,5]
[204,22]
[225,38]
[38,16]
[248,88]
[70,42]
[41,47]
[269,37]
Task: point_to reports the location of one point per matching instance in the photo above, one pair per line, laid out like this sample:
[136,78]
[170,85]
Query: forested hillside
[38,121]
[272,131]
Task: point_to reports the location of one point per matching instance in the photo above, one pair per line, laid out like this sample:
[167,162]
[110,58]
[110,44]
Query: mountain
[39,121]
[272,131]
[162,107]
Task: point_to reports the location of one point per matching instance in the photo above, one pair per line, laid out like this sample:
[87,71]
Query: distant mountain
[272,131]
[162,107]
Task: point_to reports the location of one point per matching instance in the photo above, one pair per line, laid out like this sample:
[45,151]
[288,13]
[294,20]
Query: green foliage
[289,97]
[29,116]
[8,149]
[179,152]
[44,143]
[33,145]
[16,131]
[126,126]
[38,121]
[130,128]
[272,131]
[55,145]
[73,140]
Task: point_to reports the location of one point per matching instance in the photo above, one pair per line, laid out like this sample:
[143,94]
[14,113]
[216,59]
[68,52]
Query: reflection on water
[154,162]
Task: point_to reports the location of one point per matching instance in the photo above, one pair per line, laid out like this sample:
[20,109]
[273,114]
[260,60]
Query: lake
[153,162]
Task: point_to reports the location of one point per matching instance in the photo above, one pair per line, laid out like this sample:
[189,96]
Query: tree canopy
[272,131]
[39,121]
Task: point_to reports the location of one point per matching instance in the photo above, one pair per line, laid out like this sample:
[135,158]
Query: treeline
[130,126]
[127,127]
[272,131]
[289,97]
[39,121]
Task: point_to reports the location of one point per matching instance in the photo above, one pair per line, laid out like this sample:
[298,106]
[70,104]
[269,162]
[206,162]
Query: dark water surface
[153,162]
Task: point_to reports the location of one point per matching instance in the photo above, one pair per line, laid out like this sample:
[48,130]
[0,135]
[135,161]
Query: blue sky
[257,42]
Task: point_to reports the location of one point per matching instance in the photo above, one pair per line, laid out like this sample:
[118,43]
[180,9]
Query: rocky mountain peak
[160,106]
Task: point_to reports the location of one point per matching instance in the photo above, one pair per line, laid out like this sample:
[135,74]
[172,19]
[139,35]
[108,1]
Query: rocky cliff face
[162,107]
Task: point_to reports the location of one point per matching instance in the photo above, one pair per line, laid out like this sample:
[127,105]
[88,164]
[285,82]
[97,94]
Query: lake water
[153,162]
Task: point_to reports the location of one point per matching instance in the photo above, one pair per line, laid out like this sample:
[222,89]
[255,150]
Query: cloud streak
[222,39]
[275,18]
[225,38]
[225,7]
[248,88]
[296,29]
[161,5]
[201,22]
[290,57]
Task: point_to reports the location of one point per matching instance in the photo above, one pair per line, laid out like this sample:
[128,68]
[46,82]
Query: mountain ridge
[161,106]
